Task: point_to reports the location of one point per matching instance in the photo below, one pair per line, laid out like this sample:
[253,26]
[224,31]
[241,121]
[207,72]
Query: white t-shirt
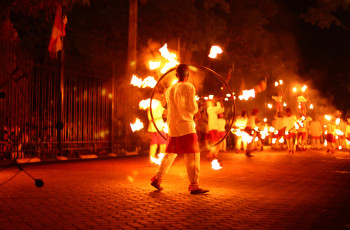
[289,123]
[221,124]
[182,106]
[213,112]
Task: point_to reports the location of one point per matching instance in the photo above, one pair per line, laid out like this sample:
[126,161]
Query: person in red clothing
[182,136]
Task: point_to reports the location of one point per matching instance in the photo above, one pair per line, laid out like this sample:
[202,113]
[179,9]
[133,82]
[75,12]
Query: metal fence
[31,106]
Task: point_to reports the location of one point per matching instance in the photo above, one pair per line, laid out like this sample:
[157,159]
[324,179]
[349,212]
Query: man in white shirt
[213,134]
[182,136]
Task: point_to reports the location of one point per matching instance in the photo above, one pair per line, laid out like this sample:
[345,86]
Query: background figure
[315,133]
[302,105]
[182,136]
[340,127]
[240,124]
[250,130]
[222,131]
[156,138]
[278,99]
[278,124]
[213,112]
[347,133]
[302,132]
[330,137]
[290,133]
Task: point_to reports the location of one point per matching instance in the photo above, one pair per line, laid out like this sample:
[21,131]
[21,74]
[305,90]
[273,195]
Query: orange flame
[154,64]
[247,94]
[214,51]
[144,104]
[171,57]
[147,82]
[138,125]
[215,165]
[159,160]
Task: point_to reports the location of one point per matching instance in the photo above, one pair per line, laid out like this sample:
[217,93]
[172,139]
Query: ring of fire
[233,105]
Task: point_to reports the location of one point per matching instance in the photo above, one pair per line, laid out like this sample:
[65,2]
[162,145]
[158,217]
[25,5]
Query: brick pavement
[273,190]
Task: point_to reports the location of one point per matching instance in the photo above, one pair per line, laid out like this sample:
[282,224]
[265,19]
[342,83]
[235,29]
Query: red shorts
[330,138]
[156,138]
[302,135]
[222,134]
[183,144]
[290,135]
[213,135]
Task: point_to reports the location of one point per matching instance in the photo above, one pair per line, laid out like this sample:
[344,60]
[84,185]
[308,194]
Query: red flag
[58,31]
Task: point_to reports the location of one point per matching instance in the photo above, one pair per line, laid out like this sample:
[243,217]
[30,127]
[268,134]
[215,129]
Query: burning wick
[215,165]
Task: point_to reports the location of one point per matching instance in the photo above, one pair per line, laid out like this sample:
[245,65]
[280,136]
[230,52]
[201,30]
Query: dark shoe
[156,183]
[248,154]
[199,191]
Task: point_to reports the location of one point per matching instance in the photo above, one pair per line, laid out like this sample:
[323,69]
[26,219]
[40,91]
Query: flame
[284,104]
[211,97]
[294,89]
[272,129]
[276,83]
[327,117]
[144,104]
[311,106]
[215,165]
[247,94]
[269,106]
[147,82]
[214,51]
[338,132]
[304,88]
[337,121]
[159,160]
[265,119]
[175,81]
[171,57]
[274,140]
[135,81]
[281,140]
[154,64]
[138,125]
[281,82]
[325,143]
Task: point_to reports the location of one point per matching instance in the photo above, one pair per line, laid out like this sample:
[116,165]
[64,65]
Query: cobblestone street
[272,190]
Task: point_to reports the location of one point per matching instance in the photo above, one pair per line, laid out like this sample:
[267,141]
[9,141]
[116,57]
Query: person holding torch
[182,136]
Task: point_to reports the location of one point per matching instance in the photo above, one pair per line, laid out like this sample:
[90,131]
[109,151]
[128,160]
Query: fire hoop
[233,107]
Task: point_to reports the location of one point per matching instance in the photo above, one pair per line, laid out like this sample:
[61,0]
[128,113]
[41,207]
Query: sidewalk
[272,190]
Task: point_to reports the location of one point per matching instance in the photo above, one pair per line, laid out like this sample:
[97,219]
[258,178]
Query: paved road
[273,190]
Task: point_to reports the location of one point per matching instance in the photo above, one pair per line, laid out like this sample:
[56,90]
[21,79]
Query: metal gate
[30,104]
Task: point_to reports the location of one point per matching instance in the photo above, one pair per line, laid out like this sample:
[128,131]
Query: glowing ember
[215,165]
[154,65]
[171,57]
[247,94]
[138,125]
[214,51]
